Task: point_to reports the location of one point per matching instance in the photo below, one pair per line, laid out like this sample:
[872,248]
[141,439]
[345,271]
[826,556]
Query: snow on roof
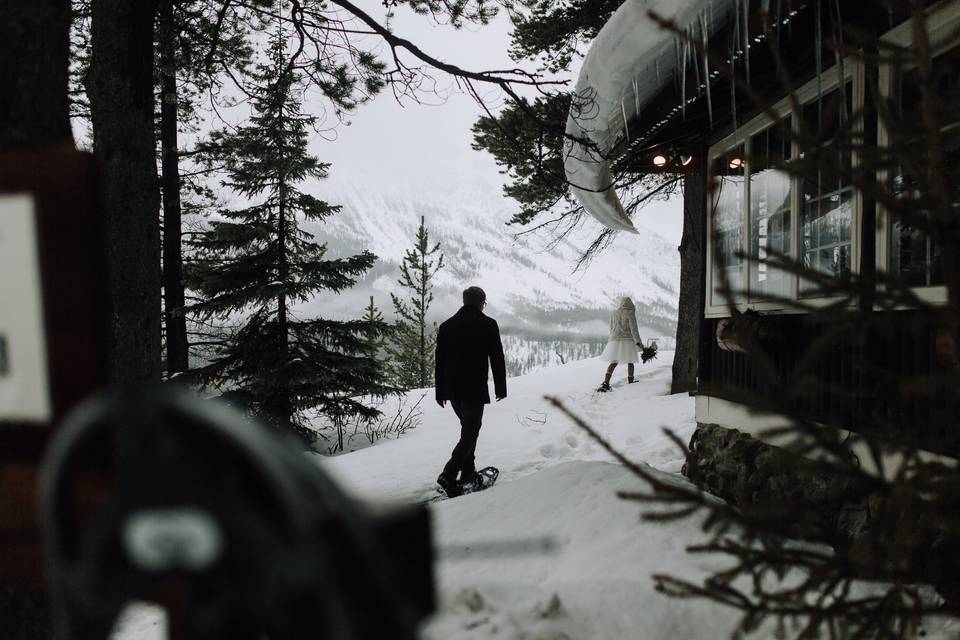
[630,60]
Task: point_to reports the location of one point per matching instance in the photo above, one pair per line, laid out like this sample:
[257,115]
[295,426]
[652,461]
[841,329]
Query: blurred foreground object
[226,525]
[53,343]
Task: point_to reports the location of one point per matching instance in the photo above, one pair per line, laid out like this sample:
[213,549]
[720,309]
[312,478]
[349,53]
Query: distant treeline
[526,354]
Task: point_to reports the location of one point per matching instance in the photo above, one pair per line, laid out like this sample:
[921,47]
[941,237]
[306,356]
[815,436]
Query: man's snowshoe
[603,388]
[482,479]
[449,486]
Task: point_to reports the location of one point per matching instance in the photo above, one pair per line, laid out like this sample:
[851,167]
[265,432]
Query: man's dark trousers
[470,414]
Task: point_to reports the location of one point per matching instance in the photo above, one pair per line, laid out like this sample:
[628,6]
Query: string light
[671,157]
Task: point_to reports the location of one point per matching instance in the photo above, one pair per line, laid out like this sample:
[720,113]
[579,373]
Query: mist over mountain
[531,288]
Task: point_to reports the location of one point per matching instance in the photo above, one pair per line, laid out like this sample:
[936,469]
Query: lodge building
[817,84]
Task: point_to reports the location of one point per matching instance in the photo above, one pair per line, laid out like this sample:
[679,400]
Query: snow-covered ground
[524,434]
[555,485]
[497,577]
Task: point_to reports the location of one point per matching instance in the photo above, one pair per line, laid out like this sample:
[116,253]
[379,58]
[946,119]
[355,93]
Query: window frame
[943,19]
[853,72]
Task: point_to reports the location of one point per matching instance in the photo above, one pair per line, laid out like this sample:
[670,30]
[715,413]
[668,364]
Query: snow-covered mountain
[530,285]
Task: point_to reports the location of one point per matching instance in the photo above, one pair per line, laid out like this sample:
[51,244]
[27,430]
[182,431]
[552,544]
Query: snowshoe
[482,479]
[449,486]
[603,388]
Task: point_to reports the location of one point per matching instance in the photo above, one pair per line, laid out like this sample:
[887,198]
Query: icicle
[657,61]
[736,35]
[706,67]
[677,44]
[818,45]
[636,97]
[839,55]
[746,37]
[790,19]
[683,78]
[733,104]
[696,63]
[626,127]
[778,18]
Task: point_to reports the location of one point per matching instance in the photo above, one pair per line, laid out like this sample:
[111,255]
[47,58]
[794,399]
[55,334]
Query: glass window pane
[825,225]
[914,254]
[728,171]
[826,215]
[770,190]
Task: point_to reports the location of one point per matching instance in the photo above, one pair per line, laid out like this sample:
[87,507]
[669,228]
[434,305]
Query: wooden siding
[869,373]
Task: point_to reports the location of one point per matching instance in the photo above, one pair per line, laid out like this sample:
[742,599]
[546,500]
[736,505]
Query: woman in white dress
[624,340]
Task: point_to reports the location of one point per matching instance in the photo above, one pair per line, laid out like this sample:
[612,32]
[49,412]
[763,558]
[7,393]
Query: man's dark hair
[474,296]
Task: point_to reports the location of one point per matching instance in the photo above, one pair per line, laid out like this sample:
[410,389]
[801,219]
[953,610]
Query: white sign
[24,387]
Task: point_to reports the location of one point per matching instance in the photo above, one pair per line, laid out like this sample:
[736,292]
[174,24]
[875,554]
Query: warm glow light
[736,163]
[685,159]
[659,160]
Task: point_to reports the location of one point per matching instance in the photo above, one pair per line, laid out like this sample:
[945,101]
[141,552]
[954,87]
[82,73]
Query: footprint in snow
[471,600]
[548,451]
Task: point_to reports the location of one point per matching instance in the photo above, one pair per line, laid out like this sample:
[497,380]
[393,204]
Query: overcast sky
[427,145]
[424,143]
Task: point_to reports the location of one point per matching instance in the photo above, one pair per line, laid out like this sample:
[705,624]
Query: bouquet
[649,352]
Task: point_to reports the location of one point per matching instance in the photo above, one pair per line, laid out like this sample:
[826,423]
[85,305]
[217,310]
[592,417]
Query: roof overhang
[631,60]
[646,90]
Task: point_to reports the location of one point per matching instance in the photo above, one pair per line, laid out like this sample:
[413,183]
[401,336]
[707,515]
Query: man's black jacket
[465,343]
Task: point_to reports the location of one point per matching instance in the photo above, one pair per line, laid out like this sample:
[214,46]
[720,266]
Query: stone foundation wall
[876,533]
[749,473]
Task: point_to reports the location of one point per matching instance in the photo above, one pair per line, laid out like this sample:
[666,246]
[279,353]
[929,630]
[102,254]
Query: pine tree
[256,263]
[412,339]
[378,343]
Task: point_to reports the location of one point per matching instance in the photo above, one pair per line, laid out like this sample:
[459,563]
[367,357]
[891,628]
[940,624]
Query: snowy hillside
[530,286]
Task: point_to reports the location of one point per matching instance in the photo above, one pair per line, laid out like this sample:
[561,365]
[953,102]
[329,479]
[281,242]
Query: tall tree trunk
[175,321]
[423,327]
[284,408]
[120,88]
[690,306]
[34,113]
[422,314]
[34,60]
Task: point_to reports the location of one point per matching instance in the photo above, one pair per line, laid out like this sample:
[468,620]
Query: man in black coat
[466,344]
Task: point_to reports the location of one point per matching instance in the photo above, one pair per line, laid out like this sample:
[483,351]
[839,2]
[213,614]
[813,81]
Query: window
[914,254]
[728,170]
[770,210]
[904,246]
[761,212]
[826,215]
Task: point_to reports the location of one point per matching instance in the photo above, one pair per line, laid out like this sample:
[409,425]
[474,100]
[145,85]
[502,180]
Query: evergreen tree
[378,342]
[412,340]
[256,263]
